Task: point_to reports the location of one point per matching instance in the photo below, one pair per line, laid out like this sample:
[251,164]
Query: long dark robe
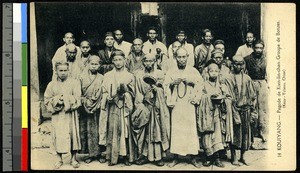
[244,94]
[115,115]
[213,117]
[151,138]
[65,123]
[90,112]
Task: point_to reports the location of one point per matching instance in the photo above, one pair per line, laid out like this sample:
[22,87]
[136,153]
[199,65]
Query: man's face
[94,65]
[218,58]
[68,38]
[85,48]
[238,66]
[181,38]
[208,37]
[71,54]
[118,61]
[62,71]
[258,49]
[175,46]
[221,47]
[181,58]
[118,35]
[137,46]
[109,41]
[213,72]
[152,35]
[149,63]
[249,39]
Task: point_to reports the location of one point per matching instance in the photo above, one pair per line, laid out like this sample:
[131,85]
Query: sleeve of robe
[167,89]
[104,67]
[104,111]
[205,113]
[73,101]
[91,97]
[51,100]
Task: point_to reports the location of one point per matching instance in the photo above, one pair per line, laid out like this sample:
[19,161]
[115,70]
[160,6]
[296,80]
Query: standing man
[181,38]
[71,57]
[85,48]
[117,106]
[105,54]
[62,99]
[243,99]
[152,44]
[134,61]
[220,44]
[152,130]
[182,94]
[91,83]
[247,48]
[217,58]
[203,51]
[120,43]
[256,65]
[61,51]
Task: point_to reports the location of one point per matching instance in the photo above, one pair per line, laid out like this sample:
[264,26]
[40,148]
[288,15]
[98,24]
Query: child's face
[238,66]
[94,65]
[62,71]
[118,61]
[109,41]
[213,71]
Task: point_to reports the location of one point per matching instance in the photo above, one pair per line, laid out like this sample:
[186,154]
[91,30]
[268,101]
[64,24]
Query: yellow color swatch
[24,107]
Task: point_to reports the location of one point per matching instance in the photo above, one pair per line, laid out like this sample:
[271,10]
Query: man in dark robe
[203,51]
[152,127]
[134,60]
[105,54]
[91,83]
[117,106]
[256,65]
[243,100]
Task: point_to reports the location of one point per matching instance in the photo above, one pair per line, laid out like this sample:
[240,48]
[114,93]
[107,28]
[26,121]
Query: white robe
[184,137]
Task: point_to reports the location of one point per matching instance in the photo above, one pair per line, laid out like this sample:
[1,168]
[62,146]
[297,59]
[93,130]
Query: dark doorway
[88,21]
[228,22]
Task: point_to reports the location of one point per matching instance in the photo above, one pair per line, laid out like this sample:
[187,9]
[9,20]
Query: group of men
[135,103]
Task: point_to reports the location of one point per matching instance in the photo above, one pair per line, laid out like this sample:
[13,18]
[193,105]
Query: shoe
[141,161]
[196,163]
[207,163]
[89,160]
[218,163]
[127,163]
[160,163]
[102,159]
[243,162]
[75,164]
[58,164]
[173,163]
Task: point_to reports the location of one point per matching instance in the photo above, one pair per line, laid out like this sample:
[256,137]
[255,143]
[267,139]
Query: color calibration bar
[24,149]
[19,120]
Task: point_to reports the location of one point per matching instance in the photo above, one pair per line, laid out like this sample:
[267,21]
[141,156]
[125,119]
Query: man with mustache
[256,65]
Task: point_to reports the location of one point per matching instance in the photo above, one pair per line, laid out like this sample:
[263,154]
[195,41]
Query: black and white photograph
[160,86]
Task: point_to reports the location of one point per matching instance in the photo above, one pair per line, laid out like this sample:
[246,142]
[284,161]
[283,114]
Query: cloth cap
[216,51]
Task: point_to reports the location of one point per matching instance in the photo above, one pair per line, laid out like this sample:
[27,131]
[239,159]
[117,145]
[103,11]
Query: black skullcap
[109,34]
[117,53]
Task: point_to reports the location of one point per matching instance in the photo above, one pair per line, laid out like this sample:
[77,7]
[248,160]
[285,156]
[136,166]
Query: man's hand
[188,82]
[176,81]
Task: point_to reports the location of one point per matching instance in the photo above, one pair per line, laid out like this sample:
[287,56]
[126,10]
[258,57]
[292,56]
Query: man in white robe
[183,88]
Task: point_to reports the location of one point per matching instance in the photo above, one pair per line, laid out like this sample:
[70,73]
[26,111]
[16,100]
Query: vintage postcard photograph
[162,86]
